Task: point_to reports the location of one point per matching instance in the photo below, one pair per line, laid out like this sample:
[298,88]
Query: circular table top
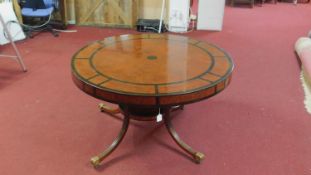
[151,69]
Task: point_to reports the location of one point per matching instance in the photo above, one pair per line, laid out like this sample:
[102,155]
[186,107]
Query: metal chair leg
[18,56]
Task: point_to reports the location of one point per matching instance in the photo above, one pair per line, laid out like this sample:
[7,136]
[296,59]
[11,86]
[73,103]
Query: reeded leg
[108,110]
[197,156]
[96,160]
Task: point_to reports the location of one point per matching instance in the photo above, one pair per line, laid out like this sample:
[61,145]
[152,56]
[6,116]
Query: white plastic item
[11,22]
[162,13]
[178,15]
[210,14]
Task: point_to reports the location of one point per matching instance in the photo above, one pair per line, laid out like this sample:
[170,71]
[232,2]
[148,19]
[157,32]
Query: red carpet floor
[258,126]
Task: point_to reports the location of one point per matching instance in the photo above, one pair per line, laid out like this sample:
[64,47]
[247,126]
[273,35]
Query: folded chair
[38,14]
[17,55]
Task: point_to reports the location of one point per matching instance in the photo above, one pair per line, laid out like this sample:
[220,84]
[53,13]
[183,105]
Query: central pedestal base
[146,113]
[138,113]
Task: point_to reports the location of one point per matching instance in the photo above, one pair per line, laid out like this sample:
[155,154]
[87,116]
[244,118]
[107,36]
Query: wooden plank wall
[115,13]
[106,13]
[111,13]
[147,9]
[151,9]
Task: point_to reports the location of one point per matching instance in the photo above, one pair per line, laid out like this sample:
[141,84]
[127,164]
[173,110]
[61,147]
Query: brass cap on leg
[95,161]
[101,107]
[198,157]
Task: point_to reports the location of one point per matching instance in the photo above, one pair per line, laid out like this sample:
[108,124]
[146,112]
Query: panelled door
[114,13]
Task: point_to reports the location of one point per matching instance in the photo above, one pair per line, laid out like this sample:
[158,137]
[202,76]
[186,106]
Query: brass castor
[104,108]
[198,157]
[95,161]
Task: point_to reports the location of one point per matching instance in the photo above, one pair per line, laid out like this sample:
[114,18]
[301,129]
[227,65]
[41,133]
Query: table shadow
[176,149]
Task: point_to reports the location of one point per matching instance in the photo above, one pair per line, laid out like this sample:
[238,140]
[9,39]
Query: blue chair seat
[38,12]
[43,10]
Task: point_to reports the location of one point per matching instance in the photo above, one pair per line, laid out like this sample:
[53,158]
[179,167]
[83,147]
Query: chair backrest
[39,4]
[35,4]
[48,3]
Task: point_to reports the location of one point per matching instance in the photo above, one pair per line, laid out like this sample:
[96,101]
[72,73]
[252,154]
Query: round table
[150,75]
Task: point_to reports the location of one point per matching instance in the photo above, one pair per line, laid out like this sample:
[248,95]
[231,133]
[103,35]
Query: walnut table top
[151,69]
